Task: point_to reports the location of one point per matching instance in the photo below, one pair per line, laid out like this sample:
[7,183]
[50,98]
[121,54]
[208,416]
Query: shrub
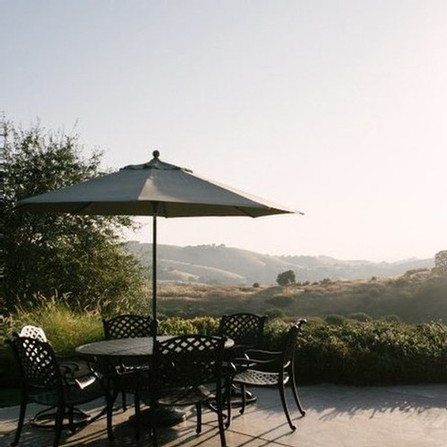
[176,326]
[391,319]
[335,319]
[360,316]
[280,300]
[372,353]
[275,313]
[205,325]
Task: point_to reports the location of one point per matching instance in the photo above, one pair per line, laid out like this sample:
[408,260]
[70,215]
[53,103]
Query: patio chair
[79,369]
[247,332]
[47,382]
[185,370]
[127,326]
[271,368]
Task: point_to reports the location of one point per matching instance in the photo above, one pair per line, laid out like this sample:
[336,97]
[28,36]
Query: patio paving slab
[339,416]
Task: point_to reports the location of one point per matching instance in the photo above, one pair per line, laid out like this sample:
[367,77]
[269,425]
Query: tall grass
[65,326]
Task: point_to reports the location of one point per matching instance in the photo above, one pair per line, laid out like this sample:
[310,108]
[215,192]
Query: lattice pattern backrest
[127,326]
[33,332]
[243,328]
[37,362]
[188,360]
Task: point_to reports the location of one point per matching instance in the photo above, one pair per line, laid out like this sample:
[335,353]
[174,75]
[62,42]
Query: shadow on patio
[336,415]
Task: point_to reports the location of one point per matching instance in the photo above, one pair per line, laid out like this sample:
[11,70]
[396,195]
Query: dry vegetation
[415,297]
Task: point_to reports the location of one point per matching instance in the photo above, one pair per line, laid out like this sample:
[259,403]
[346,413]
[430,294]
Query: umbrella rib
[245,212]
[82,208]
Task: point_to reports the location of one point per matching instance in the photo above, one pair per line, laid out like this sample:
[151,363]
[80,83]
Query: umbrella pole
[154,273]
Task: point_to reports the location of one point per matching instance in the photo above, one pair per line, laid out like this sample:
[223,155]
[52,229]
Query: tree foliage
[51,253]
[441,262]
[285,278]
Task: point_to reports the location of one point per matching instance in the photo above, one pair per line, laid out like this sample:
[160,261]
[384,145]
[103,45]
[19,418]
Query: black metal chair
[271,368]
[187,370]
[49,383]
[127,326]
[247,332]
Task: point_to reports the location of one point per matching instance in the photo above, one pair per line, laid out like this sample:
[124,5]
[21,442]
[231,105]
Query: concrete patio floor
[338,416]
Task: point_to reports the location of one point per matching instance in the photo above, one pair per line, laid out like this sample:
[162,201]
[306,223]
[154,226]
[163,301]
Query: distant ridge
[218,264]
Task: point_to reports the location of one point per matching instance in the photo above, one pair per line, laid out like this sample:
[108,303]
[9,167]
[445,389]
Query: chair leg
[137,415]
[228,404]
[71,418]
[21,420]
[244,399]
[219,404]
[282,393]
[295,394]
[110,400]
[199,417]
[123,401]
[60,413]
[153,424]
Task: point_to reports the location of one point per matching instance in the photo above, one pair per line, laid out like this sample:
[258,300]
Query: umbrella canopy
[153,189]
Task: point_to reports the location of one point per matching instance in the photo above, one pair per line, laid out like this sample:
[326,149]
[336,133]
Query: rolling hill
[218,264]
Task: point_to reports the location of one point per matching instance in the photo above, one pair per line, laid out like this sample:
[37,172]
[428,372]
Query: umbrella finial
[156,154]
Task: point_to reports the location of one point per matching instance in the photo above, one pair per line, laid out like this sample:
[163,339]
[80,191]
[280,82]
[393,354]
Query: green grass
[64,326]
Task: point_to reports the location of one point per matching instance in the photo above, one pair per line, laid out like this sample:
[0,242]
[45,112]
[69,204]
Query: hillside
[218,264]
[415,297]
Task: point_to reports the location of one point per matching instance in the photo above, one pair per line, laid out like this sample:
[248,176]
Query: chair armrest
[260,360]
[68,371]
[68,366]
[86,381]
[262,354]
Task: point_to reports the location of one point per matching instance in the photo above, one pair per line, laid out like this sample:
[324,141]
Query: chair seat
[258,378]
[73,395]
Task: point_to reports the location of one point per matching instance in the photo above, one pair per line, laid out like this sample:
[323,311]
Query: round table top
[126,347]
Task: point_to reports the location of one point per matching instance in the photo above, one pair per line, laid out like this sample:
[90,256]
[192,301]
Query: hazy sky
[334,108]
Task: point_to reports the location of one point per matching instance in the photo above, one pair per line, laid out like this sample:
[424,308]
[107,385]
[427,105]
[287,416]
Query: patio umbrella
[156,189]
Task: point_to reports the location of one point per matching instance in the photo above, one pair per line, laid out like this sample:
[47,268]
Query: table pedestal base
[166,417]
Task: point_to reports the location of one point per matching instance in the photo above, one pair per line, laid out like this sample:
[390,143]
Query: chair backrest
[243,328]
[127,326]
[289,344]
[33,332]
[188,361]
[37,363]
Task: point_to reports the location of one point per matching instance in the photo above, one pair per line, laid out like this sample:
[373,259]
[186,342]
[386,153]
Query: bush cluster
[372,353]
[347,352]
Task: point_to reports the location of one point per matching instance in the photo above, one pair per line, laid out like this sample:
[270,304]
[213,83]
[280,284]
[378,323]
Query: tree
[51,253]
[441,262]
[2,205]
[285,278]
